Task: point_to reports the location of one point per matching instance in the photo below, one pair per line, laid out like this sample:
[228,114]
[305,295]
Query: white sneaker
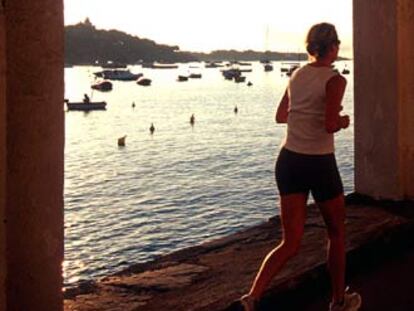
[248,303]
[352,302]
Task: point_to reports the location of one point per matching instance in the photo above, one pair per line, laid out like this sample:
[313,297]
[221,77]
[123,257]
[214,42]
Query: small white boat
[212,65]
[113,65]
[240,63]
[156,65]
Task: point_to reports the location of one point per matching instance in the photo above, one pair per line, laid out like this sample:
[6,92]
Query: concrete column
[3,258]
[384,98]
[406,93]
[35,145]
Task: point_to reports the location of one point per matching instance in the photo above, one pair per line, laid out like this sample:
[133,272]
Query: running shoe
[351,302]
[248,303]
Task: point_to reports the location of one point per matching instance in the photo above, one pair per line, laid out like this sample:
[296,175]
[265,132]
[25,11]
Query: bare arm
[282,110]
[335,89]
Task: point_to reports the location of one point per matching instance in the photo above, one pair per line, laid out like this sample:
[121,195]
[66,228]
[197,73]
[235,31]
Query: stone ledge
[215,274]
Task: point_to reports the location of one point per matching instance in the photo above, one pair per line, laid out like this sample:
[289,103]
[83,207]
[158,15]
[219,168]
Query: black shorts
[303,173]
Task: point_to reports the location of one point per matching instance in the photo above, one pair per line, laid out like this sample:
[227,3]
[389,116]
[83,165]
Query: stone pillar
[406,93]
[384,98]
[3,258]
[35,145]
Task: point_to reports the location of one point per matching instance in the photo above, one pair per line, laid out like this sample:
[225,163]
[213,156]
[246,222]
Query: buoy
[133,104]
[121,141]
[192,120]
[152,128]
[236,109]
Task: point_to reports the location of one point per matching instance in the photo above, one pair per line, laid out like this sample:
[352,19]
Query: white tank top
[306,131]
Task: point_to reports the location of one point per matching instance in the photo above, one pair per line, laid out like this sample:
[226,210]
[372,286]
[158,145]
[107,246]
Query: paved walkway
[385,282]
[213,275]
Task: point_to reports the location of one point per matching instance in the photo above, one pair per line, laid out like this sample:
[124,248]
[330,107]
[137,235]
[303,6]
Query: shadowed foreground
[212,276]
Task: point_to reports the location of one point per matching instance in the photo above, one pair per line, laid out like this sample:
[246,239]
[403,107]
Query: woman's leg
[333,212]
[293,214]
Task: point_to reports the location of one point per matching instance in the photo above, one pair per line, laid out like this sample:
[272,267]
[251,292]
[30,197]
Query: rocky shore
[214,275]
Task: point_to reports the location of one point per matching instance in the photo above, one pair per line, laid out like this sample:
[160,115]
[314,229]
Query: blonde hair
[321,37]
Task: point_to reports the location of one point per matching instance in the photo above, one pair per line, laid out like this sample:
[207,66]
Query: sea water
[184,184]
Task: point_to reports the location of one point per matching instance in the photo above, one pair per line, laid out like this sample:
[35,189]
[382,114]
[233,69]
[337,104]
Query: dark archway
[32,133]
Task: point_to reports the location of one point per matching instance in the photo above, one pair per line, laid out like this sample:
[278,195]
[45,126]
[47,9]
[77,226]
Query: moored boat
[195,75]
[231,73]
[82,106]
[239,79]
[212,65]
[268,67]
[182,78]
[246,70]
[102,86]
[159,65]
[240,63]
[144,81]
[289,67]
[113,65]
[291,70]
[118,74]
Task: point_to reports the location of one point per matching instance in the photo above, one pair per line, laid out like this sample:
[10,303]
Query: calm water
[183,185]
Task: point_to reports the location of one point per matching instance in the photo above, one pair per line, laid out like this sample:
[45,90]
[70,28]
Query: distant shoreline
[87,45]
[67,65]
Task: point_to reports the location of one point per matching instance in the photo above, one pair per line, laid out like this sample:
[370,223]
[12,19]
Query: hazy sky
[197,25]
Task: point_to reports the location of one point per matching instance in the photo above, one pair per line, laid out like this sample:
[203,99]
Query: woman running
[306,164]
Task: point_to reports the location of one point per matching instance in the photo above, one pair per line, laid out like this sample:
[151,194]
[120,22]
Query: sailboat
[266,62]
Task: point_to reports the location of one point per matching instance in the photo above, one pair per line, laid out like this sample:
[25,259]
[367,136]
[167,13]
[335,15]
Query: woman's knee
[336,230]
[291,245]
[333,212]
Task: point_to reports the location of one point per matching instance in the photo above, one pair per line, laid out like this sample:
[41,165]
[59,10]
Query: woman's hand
[344,121]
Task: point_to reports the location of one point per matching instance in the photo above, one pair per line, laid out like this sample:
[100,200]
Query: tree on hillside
[84,44]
